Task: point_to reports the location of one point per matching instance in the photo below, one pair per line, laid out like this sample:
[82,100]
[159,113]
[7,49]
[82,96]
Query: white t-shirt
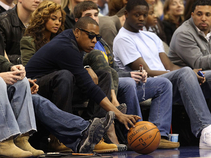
[129,46]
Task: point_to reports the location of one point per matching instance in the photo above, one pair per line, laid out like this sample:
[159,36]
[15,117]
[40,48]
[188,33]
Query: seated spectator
[173,17]
[133,47]
[12,25]
[46,22]
[191,44]
[71,44]
[6,5]
[17,118]
[89,8]
[130,88]
[46,112]
[153,24]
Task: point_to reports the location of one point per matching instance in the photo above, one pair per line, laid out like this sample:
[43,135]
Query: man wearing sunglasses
[65,52]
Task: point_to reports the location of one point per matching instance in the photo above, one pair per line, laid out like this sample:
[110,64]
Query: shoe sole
[106,150]
[94,136]
[121,147]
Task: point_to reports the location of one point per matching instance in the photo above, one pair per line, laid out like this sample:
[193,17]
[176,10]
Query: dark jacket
[2,9]
[12,30]
[70,20]
[169,28]
[4,64]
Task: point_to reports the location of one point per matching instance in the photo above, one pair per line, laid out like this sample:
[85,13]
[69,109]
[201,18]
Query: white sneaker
[205,139]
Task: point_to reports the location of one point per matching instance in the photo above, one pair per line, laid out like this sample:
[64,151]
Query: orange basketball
[144,138]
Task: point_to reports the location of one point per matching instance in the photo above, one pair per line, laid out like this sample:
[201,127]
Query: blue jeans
[16,109]
[186,89]
[65,126]
[159,89]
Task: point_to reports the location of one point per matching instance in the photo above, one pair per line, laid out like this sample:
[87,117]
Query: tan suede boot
[56,145]
[103,147]
[22,142]
[9,149]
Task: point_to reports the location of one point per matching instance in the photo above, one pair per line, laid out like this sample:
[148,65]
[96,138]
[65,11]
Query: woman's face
[176,8]
[54,23]
[152,18]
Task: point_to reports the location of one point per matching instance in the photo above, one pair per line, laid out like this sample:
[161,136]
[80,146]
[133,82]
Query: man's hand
[35,87]
[11,77]
[200,78]
[93,75]
[128,119]
[144,76]
[19,68]
[139,76]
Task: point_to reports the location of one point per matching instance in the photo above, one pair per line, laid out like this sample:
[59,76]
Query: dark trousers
[93,109]
[58,88]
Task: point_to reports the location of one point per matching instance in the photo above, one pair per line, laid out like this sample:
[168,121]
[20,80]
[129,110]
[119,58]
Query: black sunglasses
[91,35]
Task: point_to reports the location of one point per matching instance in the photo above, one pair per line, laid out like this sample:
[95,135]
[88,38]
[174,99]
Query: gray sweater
[189,47]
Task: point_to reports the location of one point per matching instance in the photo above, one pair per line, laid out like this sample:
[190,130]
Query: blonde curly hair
[38,20]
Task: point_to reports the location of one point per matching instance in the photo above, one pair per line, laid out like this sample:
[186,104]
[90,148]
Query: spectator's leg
[186,88]
[66,127]
[21,102]
[127,93]
[8,122]
[58,88]
[160,90]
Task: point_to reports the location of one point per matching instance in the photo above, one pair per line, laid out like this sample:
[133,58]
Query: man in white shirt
[133,47]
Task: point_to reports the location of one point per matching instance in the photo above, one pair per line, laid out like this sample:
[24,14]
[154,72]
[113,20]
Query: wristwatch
[87,66]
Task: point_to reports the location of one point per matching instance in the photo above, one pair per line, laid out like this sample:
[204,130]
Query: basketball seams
[150,142]
[143,134]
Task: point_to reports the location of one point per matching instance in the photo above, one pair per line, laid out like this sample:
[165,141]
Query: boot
[22,142]
[103,147]
[9,149]
[56,145]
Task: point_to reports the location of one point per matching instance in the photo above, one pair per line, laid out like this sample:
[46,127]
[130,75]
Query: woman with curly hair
[46,22]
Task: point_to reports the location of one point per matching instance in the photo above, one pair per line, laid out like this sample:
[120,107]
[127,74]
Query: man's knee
[186,71]
[127,83]
[22,83]
[65,77]
[164,82]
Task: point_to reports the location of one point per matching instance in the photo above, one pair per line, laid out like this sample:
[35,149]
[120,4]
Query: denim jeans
[65,126]
[159,89]
[186,89]
[16,109]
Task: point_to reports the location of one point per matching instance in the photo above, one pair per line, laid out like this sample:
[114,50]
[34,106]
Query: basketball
[144,138]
